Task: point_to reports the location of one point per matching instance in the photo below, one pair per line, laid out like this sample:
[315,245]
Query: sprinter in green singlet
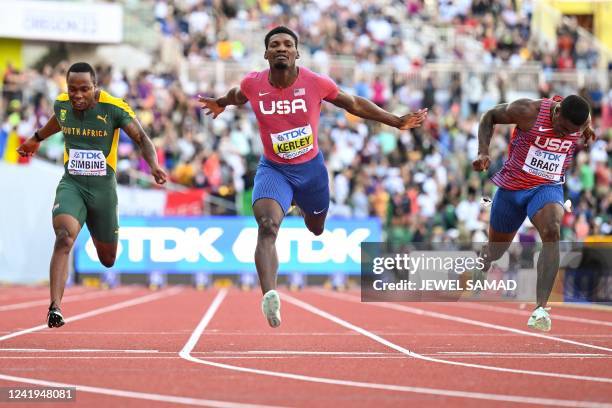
[90,120]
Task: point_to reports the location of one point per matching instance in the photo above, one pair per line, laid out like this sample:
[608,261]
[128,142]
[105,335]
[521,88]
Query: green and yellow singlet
[91,140]
[88,189]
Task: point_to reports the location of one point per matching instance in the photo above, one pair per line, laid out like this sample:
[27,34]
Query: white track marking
[72,298]
[293,357]
[25,350]
[133,394]
[43,353]
[14,293]
[185,353]
[197,332]
[96,312]
[493,354]
[437,315]
[344,323]
[302,353]
[478,306]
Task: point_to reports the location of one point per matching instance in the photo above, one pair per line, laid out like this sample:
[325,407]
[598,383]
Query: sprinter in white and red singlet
[531,180]
[287,101]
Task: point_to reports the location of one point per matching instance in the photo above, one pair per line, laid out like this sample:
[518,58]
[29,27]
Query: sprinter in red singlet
[531,181]
[287,100]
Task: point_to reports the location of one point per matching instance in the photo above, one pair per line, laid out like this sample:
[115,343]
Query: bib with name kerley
[544,163]
[86,163]
[293,143]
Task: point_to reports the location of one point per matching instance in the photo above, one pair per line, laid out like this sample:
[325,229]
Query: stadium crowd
[419,183]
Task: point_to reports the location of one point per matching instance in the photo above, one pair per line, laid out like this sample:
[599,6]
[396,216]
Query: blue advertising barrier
[227,245]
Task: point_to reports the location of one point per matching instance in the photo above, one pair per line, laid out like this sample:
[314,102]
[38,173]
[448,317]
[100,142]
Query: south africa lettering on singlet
[289,117]
[537,156]
[91,140]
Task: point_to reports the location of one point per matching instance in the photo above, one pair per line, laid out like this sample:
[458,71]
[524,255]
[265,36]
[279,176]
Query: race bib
[86,163]
[545,164]
[293,143]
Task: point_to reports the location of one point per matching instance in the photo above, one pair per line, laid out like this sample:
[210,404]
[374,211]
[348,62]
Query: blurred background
[457,58]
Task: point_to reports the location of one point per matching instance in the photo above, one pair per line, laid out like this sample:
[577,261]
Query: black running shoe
[54,317]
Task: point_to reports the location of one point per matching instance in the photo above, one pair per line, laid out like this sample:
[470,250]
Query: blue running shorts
[510,207]
[305,183]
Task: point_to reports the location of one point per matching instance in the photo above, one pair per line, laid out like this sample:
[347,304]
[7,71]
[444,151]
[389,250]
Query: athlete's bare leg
[269,216]
[498,244]
[315,222]
[107,252]
[548,223]
[66,230]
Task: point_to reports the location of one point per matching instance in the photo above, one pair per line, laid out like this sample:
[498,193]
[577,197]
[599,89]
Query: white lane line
[197,332]
[344,323]
[281,354]
[478,306]
[394,333]
[72,298]
[305,353]
[133,394]
[102,310]
[16,293]
[388,357]
[178,332]
[493,354]
[185,353]
[39,350]
[422,312]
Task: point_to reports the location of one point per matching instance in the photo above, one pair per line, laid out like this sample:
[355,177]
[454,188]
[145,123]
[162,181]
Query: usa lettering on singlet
[537,156]
[288,118]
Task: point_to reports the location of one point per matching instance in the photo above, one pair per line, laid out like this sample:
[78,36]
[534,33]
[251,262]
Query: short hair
[576,109]
[82,67]
[280,30]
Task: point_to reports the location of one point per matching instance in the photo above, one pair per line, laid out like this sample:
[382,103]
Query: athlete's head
[281,48]
[571,115]
[81,80]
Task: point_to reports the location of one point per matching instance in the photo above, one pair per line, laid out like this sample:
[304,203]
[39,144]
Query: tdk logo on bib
[555,157]
[86,162]
[282,107]
[293,143]
[292,134]
[88,155]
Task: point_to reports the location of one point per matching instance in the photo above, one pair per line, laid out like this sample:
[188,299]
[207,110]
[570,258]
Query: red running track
[178,346]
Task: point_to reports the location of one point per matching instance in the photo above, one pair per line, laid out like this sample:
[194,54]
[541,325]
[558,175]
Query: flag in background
[3,140]
[10,148]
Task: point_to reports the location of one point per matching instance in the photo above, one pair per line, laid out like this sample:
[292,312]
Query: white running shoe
[540,319]
[270,306]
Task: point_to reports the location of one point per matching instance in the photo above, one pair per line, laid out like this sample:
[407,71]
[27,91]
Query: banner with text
[227,245]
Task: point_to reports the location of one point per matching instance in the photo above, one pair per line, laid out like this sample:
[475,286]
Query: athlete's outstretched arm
[517,112]
[215,106]
[31,145]
[135,131]
[367,109]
